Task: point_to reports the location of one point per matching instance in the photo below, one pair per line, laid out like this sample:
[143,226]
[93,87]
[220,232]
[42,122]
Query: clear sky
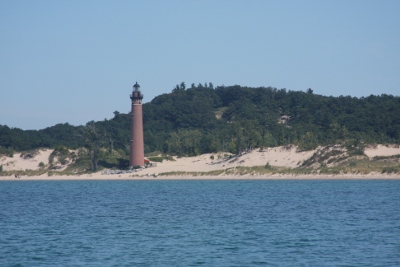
[76,61]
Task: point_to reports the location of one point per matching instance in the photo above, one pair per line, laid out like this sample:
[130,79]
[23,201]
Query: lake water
[194,223]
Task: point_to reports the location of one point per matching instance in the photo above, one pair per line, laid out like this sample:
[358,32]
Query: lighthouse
[136,156]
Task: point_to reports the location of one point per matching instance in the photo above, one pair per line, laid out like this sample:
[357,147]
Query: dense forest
[201,119]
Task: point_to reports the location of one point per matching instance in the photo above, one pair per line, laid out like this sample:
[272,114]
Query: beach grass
[326,161]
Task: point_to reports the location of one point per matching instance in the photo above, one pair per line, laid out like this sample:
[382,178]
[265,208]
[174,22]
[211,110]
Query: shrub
[9,152]
[156,159]
[389,169]
[123,163]
[29,154]
[170,158]
[268,166]
[61,153]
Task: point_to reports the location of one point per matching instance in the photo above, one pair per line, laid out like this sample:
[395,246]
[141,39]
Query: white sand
[278,156]
[16,163]
[380,150]
[98,176]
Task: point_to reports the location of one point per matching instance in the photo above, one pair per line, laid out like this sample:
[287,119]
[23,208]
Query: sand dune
[381,150]
[18,163]
[277,156]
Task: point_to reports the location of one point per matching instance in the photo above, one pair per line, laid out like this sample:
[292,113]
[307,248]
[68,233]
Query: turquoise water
[193,223]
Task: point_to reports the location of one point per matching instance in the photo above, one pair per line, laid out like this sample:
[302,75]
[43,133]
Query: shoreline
[99,177]
[274,163]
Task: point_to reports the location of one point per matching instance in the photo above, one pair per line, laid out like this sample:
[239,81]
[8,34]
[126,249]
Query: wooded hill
[203,119]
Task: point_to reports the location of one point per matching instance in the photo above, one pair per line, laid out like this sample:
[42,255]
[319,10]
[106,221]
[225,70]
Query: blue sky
[76,61]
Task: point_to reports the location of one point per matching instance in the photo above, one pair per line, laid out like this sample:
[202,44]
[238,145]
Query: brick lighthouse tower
[136,156]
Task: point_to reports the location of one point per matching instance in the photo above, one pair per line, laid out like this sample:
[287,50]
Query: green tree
[269,140]
[93,140]
[308,141]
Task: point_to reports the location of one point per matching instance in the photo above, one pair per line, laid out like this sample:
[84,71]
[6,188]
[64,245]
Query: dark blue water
[191,223]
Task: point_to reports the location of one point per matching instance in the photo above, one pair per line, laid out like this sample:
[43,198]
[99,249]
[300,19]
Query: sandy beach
[287,157]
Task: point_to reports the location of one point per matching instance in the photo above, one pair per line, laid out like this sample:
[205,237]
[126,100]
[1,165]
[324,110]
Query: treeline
[203,119]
